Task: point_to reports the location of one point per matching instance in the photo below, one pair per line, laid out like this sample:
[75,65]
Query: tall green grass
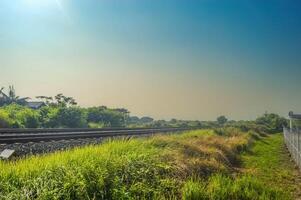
[269,162]
[116,170]
[161,167]
[220,187]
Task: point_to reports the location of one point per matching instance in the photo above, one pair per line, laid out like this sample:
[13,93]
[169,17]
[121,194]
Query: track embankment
[39,141]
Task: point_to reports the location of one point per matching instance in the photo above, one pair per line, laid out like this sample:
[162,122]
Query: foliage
[58,116]
[59,100]
[11,97]
[20,116]
[224,187]
[146,120]
[273,122]
[108,117]
[221,120]
[5,120]
[194,165]
[72,117]
[61,115]
[194,190]
[61,111]
[48,117]
[28,118]
[269,162]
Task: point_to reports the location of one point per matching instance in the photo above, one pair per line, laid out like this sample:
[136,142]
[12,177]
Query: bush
[29,118]
[21,117]
[48,117]
[273,122]
[72,117]
[221,120]
[108,117]
[5,121]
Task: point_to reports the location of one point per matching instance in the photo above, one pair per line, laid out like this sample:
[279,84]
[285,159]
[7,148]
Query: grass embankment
[194,165]
[270,163]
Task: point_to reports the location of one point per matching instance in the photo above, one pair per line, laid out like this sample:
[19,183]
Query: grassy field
[194,165]
[269,162]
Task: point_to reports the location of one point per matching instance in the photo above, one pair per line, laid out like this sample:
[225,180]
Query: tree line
[62,111]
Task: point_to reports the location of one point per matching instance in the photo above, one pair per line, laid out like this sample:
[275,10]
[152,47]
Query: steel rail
[59,130]
[16,137]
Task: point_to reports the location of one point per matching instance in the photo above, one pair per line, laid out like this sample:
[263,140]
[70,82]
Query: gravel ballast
[35,148]
[48,147]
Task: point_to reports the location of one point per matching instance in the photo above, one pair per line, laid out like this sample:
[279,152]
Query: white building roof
[35,104]
[294,116]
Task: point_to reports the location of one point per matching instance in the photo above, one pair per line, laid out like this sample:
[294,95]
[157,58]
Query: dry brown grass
[202,154]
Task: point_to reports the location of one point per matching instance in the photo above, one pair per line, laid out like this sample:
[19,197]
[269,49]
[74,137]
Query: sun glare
[44,3]
[47,4]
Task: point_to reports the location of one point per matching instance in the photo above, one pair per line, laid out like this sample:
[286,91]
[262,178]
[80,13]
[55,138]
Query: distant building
[35,104]
[295,120]
[3,96]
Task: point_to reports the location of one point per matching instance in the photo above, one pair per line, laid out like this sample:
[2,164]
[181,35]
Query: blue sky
[192,59]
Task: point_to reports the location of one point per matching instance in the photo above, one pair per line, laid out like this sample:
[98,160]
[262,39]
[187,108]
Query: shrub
[273,122]
[48,117]
[5,121]
[221,120]
[72,117]
[28,118]
[21,117]
[109,117]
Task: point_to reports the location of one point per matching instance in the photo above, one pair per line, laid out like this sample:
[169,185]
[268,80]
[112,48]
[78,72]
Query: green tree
[272,121]
[146,120]
[221,120]
[72,117]
[48,117]
[109,117]
[65,101]
[59,100]
[47,100]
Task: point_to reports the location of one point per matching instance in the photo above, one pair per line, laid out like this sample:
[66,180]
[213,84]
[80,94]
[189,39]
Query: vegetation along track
[201,164]
[269,162]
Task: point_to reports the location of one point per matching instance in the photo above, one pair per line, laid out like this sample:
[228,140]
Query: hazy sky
[188,59]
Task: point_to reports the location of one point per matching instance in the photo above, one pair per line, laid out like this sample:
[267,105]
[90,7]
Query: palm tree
[14,98]
[11,97]
[12,93]
[3,97]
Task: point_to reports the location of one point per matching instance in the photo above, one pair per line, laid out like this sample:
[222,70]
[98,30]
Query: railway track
[13,136]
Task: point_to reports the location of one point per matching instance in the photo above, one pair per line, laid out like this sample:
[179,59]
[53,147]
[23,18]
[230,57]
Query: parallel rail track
[12,136]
